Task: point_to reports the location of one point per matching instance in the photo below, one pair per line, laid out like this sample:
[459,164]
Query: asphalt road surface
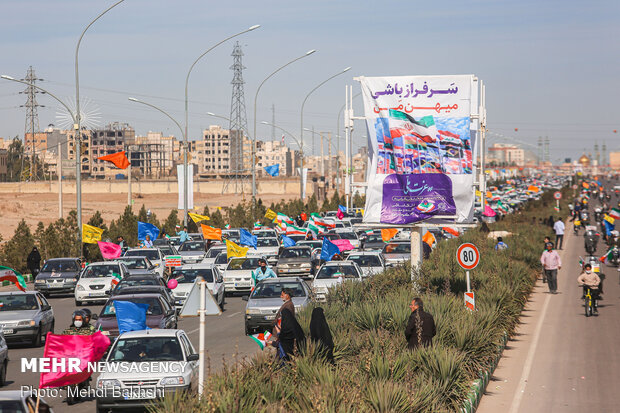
[225,342]
[561,361]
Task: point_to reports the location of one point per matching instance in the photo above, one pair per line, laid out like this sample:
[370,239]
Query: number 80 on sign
[467,256]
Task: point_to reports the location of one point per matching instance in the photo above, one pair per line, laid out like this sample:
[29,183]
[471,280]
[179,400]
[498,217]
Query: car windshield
[347,235]
[365,260]
[138,263]
[167,249]
[296,253]
[374,238]
[264,234]
[311,244]
[222,258]
[243,264]
[267,242]
[330,271]
[393,248]
[101,271]
[186,276]
[152,255]
[137,282]
[18,302]
[60,266]
[192,246]
[213,252]
[332,237]
[153,303]
[148,348]
[273,289]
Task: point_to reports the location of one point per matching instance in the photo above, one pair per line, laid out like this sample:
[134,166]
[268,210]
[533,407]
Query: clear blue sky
[551,67]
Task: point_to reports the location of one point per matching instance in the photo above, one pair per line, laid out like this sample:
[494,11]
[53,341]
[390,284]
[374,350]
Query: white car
[153,254]
[187,276]
[138,385]
[370,262]
[268,248]
[192,252]
[95,281]
[265,233]
[238,274]
[221,261]
[212,254]
[333,273]
[349,235]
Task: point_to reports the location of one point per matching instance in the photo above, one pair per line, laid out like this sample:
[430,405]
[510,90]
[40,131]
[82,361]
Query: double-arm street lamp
[253,160]
[301,183]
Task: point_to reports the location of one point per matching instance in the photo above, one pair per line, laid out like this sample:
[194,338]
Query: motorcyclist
[262,272]
[87,318]
[78,325]
[589,279]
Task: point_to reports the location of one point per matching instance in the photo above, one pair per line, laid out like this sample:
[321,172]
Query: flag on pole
[144,229]
[339,214]
[116,278]
[283,218]
[293,230]
[609,219]
[288,242]
[343,244]
[197,218]
[328,250]
[261,339]
[451,230]
[270,214]
[429,238]
[130,316]
[13,276]
[245,238]
[273,170]
[118,159]
[91,234]
[234,250]
[313,229]
[606,256]
[109,250]
[614,213]
[88,348]
[388,233]
[211,232]
[257,226]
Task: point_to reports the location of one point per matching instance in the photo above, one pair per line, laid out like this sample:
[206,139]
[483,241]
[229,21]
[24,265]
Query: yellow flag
[234,250]
[609,219]
[270,214]
[90,234]
[478,194]
[197,218]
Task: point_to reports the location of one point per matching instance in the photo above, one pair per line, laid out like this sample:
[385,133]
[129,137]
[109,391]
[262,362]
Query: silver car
[58,276]
[22,401]
[139,265]
[264,302]
[268,248]
[396,252]
[25,317]
[192,252]
[370,262]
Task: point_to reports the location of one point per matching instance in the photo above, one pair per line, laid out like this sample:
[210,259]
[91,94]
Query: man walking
[551,263]
[420,329]
[558,227]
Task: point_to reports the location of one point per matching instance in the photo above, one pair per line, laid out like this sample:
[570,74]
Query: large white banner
[190,186]
[421,147]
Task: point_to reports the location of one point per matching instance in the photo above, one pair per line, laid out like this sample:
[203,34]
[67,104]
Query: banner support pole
[416,251]
[201,346]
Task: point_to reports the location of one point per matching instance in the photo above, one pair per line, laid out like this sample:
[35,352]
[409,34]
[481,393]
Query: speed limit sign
[557,195]
[468,256]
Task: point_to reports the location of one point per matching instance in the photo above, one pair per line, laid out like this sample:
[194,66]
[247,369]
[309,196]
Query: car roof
[18,292]
[102,263]
[365,253]
[130,296]
[62,259]
[143,249]
[277,280]
[136,288]
[296,247]
[14,394]
[196,267]
[335,263]
[140,276]
[155,332]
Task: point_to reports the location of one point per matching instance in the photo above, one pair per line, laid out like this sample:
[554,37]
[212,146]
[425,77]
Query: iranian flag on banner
[293,230]
[13,276]
[321,223]
[314,229]
[501,207]
[607,256]
[283,218]
[614,213]
[261,339]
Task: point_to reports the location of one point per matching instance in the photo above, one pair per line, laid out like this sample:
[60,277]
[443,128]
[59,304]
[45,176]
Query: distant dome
[584,160]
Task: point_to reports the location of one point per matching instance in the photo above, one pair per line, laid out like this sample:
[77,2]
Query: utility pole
[273,122]
[32,118]
[322,154]
[329,156]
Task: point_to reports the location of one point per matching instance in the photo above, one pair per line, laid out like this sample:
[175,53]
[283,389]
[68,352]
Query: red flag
[339,214]
[118,159]
[451,230]
[64,347]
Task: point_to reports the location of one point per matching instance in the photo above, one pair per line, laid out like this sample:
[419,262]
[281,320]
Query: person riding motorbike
[589,279]
[87,318]
[590,240]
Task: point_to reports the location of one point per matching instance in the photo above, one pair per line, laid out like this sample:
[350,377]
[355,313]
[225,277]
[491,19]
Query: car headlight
[74,280]
[105,333]
[283,266]
[252,311]
[108,383]
[25,323]
[80,288]
[172,381]
[305,265]
[39,281]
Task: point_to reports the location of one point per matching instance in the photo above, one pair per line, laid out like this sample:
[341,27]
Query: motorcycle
[590,240]
[585,218]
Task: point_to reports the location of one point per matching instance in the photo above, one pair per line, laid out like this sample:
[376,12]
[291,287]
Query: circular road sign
[575,186]
[468,256]
[557,195]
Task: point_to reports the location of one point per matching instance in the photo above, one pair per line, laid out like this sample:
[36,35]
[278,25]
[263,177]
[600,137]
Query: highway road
[225,342]
[561,361]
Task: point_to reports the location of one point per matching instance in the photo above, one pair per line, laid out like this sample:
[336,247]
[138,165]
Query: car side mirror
[171,312]
[193,357]
[46,307]
[220,280]
[94,316]
[245,297]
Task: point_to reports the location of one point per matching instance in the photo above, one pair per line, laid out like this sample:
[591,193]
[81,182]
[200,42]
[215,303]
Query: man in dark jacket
[421,326]
[33,262]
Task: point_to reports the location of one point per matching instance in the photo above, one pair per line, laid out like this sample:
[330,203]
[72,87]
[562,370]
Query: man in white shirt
[558,227]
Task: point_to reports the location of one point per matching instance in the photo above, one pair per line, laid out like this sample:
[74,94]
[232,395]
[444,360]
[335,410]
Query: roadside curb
[479,386]
[27,278]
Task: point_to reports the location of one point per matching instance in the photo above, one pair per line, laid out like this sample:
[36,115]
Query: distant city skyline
[550,67]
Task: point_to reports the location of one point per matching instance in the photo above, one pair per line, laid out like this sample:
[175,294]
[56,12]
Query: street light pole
[73,117]
[78,129]
[253,161]
[301,169]
[185,135]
